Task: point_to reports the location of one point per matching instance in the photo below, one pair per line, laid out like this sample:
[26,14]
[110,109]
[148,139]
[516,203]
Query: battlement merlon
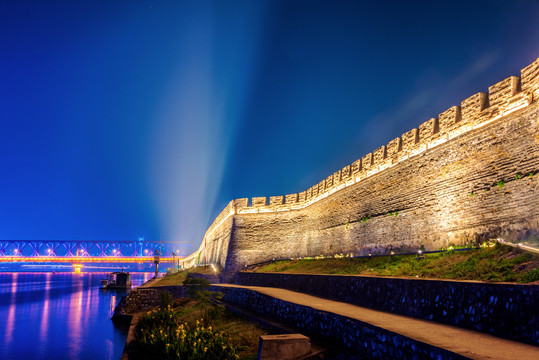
[530,81]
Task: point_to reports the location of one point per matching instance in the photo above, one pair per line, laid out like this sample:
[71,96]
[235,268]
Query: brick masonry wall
[440,179]
[364,339]
[506,310]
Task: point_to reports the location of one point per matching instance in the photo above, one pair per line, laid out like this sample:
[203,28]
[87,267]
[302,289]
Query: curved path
[468,343]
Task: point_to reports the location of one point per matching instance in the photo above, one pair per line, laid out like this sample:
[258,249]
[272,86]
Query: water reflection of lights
[11,313]
[75,319]
[89,294]
[45,312]
[62,315]
[112,305]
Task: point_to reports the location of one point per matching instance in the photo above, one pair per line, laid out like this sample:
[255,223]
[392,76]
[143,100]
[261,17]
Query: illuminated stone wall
[461,177]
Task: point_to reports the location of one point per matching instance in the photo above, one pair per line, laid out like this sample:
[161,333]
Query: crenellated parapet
[468,175]
[476,111]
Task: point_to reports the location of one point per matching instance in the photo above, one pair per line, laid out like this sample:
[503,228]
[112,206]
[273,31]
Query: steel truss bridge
[91,251]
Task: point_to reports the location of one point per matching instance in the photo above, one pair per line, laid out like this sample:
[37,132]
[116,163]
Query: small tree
[166,300]
[209,300]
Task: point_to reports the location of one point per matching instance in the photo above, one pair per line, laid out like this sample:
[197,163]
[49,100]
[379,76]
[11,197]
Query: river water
[59,316]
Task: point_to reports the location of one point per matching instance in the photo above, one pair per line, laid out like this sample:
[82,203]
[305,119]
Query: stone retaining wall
[505,310]
[366,340]
[141,299]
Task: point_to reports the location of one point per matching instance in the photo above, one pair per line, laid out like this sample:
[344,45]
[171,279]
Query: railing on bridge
[91,249]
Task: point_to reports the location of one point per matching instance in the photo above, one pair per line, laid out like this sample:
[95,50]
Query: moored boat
[117,280]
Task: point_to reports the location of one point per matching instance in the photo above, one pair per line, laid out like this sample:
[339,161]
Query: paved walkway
[472,344]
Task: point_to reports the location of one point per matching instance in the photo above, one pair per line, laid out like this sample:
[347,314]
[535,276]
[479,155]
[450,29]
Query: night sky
[128,119]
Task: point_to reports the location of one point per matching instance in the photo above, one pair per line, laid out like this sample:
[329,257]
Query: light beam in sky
[195,124]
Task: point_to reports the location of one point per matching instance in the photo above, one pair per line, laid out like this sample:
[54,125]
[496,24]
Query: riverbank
[499,309]
[242,333]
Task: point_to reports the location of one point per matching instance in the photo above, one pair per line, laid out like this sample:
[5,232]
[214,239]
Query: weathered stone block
[321,186]
[276,200]
[501,93]
[308,194]
[355,167]
[427,130]
[409,141]
[379,155]
[530,79]
[472,106]
[366,161]
[393,147]
[329,181]
[241,203]
[449,119]
[283,347]
[259,201]
[345,173]
[291,198]
[337,177]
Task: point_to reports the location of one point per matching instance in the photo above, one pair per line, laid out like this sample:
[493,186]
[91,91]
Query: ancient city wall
[464,176]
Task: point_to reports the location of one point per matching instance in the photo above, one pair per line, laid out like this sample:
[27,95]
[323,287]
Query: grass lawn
[180,276]
[493,263]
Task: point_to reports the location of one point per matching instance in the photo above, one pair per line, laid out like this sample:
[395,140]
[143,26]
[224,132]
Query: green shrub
[197,289]
[163,318]
[195,284]
[530,276]
[166,300]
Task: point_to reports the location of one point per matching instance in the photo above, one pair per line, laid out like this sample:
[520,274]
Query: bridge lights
[146,252]
[114,252]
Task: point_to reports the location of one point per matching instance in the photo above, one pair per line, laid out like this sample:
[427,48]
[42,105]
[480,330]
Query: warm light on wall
[473,113]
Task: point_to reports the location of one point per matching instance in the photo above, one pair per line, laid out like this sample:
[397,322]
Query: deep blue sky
[122,119]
